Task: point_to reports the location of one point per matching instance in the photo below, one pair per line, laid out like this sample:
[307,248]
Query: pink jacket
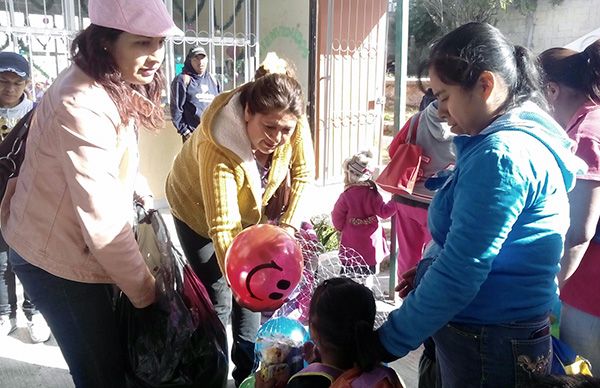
[355,215]
[69,212]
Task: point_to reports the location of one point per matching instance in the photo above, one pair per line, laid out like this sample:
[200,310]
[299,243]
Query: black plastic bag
[178,341]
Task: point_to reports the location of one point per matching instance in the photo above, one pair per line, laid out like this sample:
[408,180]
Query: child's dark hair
[577,70]
[342,312]
[460,57]
[566,381]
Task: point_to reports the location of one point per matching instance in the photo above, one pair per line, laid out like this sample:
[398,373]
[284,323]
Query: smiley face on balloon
[263,266]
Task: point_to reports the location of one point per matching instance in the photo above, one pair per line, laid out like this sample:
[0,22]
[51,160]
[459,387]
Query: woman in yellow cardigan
[223,178]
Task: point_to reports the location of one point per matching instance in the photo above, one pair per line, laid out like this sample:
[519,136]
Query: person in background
[39,89]
[435,139]
[572,86]
[427,99]
[67,216]
[355,214]
[486,307]
[14,77]
[192,91]
[14,104]
[250,140]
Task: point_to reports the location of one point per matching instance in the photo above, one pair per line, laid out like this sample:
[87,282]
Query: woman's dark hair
[342,312]
[89,53]
[577,70]
[273,93]
[460,57]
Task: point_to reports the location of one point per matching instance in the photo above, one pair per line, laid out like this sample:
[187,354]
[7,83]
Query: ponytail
[365,350]
[528,80]
[591,76]
[577,70]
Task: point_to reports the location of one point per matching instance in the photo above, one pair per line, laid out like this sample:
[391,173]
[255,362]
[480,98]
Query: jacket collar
[581,112]
[228,130]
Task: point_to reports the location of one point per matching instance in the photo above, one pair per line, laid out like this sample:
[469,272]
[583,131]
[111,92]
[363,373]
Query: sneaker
[7,325]
[38,329]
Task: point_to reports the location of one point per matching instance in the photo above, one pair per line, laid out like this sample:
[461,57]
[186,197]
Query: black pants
[83,322]
[244,323]
[8,288]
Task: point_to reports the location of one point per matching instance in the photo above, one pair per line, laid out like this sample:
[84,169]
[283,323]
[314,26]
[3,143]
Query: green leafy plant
[328,236]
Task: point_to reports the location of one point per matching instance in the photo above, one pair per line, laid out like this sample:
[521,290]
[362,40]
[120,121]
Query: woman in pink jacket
[356,213]
[67,217]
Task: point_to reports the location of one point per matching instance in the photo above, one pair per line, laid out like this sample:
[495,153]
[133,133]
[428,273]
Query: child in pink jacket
[356,213]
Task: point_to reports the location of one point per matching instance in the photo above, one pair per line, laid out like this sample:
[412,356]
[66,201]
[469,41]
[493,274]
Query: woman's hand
[151,298]
[147,201]
[407,282]
[288,228]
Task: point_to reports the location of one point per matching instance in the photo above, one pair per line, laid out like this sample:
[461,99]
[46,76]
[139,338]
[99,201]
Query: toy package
[280,358]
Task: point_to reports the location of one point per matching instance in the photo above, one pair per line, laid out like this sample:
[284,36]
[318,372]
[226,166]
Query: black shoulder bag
[12,151]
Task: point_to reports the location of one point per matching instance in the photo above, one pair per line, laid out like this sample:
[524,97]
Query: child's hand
[310,352]
[407,283]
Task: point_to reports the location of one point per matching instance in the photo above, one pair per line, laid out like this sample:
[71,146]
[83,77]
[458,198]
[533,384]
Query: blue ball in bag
[280,340]
[281,328]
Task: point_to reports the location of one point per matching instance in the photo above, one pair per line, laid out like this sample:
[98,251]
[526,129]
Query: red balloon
[263,265]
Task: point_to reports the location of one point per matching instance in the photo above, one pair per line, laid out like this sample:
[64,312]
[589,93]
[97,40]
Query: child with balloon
[342,340]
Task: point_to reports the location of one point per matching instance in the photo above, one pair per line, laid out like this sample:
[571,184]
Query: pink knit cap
[139,17]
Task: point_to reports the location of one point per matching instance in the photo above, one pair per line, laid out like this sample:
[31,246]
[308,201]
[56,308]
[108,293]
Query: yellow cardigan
[214,185]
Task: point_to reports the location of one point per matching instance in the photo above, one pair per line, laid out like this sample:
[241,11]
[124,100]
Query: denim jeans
[503,355]
[200,253]
[8,288]
[83,321]
[493,355]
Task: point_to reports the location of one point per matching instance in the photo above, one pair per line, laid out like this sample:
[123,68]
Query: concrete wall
[157,151]
[284,29]
[555,26]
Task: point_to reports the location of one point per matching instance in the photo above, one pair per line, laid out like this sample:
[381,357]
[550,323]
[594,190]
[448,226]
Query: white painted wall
[284,26]
[555,26]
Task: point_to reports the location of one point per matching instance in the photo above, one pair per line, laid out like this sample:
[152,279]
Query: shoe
[7,325]
[38,329]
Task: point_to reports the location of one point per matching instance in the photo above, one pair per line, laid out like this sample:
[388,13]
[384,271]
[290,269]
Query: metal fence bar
[21,22]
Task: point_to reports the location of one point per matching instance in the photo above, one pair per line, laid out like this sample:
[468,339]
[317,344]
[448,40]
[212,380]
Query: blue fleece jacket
[499,220]
[191,94]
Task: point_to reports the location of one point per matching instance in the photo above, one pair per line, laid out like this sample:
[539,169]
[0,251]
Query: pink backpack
[380,377]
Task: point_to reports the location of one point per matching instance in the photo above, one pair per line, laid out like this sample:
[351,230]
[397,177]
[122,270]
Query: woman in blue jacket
[498,221]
